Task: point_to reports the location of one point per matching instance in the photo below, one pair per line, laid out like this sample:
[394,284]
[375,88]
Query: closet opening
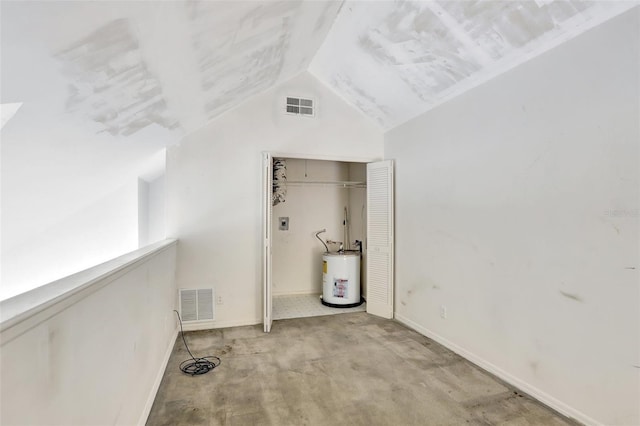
[316,248]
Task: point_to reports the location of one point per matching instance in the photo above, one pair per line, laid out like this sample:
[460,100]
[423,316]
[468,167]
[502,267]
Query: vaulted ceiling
[395,60]
[126,67]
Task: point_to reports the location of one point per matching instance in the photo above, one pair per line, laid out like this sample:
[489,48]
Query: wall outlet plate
[443,312]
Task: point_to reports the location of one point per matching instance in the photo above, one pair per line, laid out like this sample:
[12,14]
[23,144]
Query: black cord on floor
[196,366]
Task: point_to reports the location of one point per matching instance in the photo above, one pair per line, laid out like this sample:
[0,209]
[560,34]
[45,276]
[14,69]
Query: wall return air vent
[196,304]
[300,106]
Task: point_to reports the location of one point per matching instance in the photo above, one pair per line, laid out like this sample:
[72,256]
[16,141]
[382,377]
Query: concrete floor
[348,369]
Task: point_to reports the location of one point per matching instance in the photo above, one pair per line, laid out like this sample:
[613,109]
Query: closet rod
[344,184]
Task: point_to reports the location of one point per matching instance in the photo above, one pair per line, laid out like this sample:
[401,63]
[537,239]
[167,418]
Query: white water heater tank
[341,279]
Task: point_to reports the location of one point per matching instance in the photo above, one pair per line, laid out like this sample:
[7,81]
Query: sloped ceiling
[395,60]
[106,86]
[171,66]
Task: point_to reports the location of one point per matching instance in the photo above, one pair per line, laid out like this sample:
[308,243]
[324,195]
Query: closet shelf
[343,184]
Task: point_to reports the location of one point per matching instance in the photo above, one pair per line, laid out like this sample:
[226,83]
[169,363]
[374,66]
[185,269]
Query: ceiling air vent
[300,106]
[196,304]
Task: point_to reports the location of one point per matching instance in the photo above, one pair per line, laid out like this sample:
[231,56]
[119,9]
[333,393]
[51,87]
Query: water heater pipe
[320,239]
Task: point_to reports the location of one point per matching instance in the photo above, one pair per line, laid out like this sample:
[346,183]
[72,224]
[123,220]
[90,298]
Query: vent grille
[196,304]
[300,106]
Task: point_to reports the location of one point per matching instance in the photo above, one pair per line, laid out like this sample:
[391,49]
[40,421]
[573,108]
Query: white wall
[66,170]
[214,186]
[297,253]
[157,210]
[151,211]
[97,356]
[517,208]
[68,195]
[143,212]
[100,231]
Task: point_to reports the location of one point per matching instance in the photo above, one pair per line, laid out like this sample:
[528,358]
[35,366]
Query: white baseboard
[529,389]
[156,384]
[208,325]
[296,293]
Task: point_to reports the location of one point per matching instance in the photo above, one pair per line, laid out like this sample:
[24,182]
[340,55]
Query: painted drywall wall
[95,233]
[297,253]
[7,111]
[93,116]
[310,207]
[96,357]
[143,212]
[156,222]
[517,209]
[214,186]
[151,211]
[67,195]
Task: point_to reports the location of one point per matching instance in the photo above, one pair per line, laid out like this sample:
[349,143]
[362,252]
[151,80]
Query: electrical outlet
[219,300]
[443,312]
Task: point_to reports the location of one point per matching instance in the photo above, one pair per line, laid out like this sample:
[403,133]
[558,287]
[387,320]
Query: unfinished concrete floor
[348,369]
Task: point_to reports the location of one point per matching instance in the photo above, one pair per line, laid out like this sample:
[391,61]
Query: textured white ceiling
[396,59]
[105,86]
[171,66]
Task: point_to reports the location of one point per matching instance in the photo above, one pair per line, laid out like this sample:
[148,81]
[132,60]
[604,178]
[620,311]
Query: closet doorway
[353,202]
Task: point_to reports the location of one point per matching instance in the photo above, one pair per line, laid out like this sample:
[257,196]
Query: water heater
[341,279]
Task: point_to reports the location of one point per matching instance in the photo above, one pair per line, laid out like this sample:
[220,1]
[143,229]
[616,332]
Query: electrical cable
[196,366]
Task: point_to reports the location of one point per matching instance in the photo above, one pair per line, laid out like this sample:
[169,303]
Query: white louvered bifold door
[267,213]
[380,238]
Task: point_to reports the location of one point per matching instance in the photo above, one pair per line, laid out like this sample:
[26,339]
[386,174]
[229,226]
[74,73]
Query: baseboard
[208,325]
[529,389]
[297,293]
[156,384]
